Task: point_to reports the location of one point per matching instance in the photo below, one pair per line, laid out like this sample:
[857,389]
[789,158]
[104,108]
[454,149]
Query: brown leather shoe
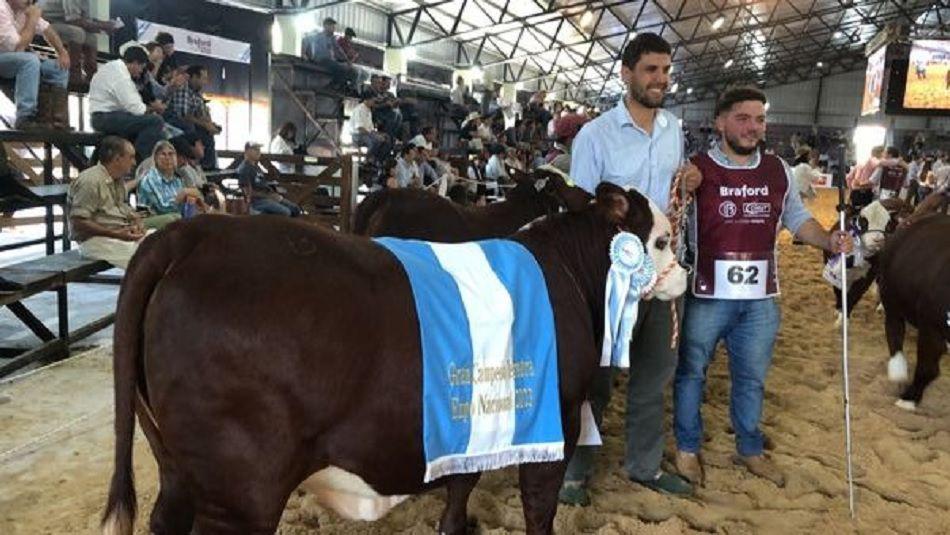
[763,467]
[690,466]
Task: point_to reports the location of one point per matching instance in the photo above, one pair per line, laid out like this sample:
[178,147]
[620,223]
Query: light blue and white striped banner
[490,377]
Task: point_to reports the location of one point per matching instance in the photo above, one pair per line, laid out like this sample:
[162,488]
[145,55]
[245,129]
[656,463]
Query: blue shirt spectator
[613,148]
[159,192]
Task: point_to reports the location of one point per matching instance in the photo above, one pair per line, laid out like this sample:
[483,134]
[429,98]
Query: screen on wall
[928,76]
[873,80]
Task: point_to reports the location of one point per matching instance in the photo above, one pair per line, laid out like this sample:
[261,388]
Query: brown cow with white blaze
[914,282]
[240,344]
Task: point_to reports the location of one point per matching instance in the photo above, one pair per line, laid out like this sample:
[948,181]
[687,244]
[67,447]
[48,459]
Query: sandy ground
[56,448]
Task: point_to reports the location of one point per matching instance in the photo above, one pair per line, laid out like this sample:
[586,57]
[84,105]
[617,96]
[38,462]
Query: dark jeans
[389,121]
[377,145]
[276,207]
[144,131]
[339,70]
[210,159]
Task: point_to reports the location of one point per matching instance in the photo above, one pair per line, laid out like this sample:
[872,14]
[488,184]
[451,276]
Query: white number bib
[741,279]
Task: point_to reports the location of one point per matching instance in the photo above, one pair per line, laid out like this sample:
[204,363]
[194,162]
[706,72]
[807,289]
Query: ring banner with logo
[198,43]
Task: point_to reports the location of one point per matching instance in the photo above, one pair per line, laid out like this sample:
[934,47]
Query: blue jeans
[749,328]
[29,70]
[271,206]
[143,130]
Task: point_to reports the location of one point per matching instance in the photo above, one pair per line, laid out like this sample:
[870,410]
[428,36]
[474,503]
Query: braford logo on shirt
[744,191]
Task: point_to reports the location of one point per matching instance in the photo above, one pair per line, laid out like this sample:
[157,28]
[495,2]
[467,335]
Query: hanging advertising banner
[193,42]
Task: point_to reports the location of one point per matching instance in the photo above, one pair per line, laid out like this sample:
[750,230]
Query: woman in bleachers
[162,191]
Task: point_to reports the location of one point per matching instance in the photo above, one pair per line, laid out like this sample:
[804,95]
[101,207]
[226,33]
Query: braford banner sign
[193,42]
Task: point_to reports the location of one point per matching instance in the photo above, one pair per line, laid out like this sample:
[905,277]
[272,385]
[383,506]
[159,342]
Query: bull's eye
[662,243]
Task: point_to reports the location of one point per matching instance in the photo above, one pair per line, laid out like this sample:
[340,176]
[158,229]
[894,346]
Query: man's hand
[691,177]
[33,13]
[106,26]
[62,59]
[129,234]
[840,242]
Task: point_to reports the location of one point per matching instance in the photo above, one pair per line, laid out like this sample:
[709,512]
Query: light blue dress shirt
[612,148]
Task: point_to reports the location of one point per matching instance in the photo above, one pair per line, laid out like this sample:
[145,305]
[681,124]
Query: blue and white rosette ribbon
[631,273]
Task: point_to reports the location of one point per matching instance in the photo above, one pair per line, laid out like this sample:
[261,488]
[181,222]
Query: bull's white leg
[897,368]
[906,405]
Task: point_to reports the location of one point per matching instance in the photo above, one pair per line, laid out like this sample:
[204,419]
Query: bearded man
[635,145]
[744,200]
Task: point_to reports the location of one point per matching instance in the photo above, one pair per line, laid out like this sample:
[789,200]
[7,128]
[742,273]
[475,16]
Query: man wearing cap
[322,48]
[635,145]
[262,195]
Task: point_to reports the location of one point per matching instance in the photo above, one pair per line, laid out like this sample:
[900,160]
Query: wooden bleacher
[48,273]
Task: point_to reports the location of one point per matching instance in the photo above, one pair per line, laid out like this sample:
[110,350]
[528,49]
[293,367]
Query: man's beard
[739,149]
[640,95]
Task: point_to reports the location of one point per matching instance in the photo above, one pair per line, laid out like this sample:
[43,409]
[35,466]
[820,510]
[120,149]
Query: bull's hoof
[906,404]
[897,368]
[574,494]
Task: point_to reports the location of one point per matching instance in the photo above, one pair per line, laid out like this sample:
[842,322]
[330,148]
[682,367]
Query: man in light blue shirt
[635,145]
[322,49]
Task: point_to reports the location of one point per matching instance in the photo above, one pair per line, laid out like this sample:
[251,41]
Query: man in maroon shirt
[346,45]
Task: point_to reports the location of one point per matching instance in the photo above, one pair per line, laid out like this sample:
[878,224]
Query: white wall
[840,106]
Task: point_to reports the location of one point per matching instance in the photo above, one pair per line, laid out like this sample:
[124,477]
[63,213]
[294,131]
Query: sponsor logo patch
[757,209]
[727,209]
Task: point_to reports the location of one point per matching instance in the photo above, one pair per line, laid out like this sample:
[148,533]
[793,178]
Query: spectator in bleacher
[378,145]
[190,150]
[100,219]
[283,143]
[322,48]
[385,107]
[345,42]
[495,170]
[170,61]
[407,168]
[80,33]
[116,107]
[20,21]
[162,191]
[426,138]
[188,111]
[151,91]
[263,197]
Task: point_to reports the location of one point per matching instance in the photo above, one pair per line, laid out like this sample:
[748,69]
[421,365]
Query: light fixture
[837,35]
[718,22]
[587,18]
[689,90]
[728,64]
[674,88]
[819,65]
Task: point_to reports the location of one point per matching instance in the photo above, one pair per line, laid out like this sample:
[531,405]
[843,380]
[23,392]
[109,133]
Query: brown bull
[413,213]
[914,281]
[241,344]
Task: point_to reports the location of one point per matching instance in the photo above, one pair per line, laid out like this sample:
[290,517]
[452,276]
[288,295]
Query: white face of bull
[877,217]
[673,283]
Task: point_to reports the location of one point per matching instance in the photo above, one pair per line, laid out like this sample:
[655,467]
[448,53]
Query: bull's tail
[146,268]
[365,211]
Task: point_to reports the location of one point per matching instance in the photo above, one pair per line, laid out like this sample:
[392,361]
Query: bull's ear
[612,201]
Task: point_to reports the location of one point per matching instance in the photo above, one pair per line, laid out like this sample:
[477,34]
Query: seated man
[187,110]
[80,33]
[20,21]
[100,219]
[116,107]
[262,196]
[378,145]
[190,151]
[323,49]
[162,191]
